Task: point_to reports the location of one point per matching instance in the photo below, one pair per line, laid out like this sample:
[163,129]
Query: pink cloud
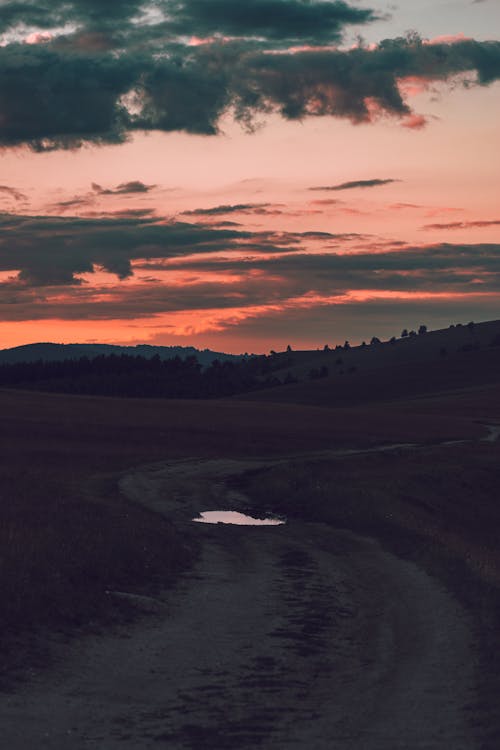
[39,37]
[448,39]
[414,121]
[440,210]
[402,206]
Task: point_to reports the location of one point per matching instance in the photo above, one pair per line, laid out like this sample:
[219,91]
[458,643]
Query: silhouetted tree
[422,330]
[375,340]
[412,334]
[347,345]
[404,333]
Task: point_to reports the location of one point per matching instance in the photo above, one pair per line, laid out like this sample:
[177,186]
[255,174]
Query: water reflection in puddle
[233,517]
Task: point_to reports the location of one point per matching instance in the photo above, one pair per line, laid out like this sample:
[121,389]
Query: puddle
[233,517]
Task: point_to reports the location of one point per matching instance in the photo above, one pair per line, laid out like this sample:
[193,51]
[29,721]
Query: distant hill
[461,356]
[416,348]
[415,364]
[48,352]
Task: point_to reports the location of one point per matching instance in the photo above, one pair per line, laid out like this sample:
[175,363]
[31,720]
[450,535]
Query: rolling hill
[50,352]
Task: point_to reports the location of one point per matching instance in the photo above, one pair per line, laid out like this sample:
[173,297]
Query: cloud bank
[50,268]
[95,72]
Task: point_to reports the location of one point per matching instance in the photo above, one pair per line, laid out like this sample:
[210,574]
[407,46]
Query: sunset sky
[245,175]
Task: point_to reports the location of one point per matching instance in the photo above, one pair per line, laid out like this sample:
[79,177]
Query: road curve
[294,636]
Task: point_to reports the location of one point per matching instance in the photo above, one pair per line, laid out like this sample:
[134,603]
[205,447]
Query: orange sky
[439,185]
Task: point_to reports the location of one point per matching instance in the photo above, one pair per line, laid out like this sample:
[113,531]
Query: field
[67,536]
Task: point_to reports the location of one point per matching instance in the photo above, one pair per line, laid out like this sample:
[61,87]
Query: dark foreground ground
[70,534]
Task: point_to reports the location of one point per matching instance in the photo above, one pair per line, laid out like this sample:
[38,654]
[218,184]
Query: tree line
[137,376]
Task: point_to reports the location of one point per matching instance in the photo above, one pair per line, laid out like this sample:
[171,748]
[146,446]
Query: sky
[244,176]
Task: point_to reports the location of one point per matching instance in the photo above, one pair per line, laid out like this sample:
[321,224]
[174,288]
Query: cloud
[325,201]
[126,188]
[463,224]
[250,285]
[131,213]
[414,121]
[438,266]
[291,20]
[56,250]
[135,187]
[402,206]
[240,208]
[356,184]
[61,97]
[51,100]
[52,14]
[13,193]
[71,203]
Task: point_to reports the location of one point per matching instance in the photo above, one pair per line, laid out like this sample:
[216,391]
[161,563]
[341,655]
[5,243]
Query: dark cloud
[430,266]
[292,20]
[51,100]
[223,224]
[51,14]
[131,213]
[356,184]
[238,208]
[54,250]
[61,98]
[280,279]
[463,224]
[125,188]
[71,203]
[89,199]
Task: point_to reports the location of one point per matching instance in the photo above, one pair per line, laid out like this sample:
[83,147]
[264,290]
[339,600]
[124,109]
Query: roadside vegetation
[441,497]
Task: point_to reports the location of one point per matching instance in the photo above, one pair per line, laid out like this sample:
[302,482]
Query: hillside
[418,348]
[457,357]
[438,361]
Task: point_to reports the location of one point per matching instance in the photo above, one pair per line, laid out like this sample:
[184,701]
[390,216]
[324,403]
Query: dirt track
[280,637]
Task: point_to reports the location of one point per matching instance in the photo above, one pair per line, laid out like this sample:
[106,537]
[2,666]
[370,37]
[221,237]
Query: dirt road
[293,636]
